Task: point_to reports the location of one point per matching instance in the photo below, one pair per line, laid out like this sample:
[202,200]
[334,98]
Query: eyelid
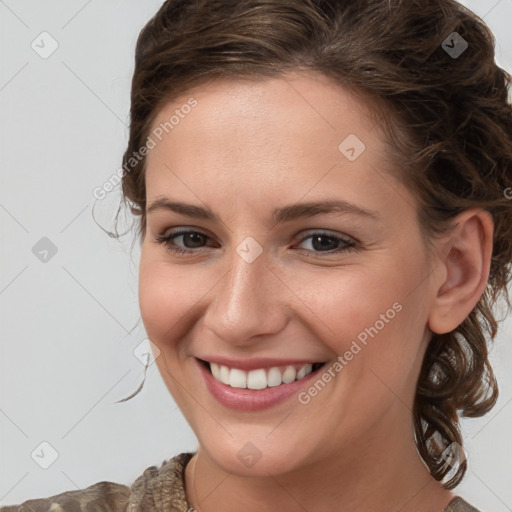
[348,243]
[185,230]
[299,237]
[327,232]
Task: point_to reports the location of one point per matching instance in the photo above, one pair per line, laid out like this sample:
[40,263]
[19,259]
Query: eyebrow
[279,215]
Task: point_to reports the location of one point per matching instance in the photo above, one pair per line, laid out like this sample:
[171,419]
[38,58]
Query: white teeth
[260,378]
[289,375]
[256,379]
[214,367]
[237,378]
[224,375]
[305,370]
[273,377]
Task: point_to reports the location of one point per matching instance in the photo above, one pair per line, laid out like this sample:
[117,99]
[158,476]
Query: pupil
[195,237]
[317,245]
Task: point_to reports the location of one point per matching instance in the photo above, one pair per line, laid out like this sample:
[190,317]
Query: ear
[462,270]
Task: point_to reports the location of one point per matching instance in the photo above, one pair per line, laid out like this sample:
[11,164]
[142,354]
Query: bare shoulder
[99,497]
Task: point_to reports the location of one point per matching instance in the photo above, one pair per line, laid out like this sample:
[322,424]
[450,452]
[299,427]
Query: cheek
[172,297]
[370,315]
[164,299]
[343,303]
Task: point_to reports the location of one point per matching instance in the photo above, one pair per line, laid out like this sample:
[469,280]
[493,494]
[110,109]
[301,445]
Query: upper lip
[257,362]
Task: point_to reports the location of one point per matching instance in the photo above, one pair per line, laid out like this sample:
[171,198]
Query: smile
[261,385]
[260,378]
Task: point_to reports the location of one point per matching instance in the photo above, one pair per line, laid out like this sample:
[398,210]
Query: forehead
[303,95]
[297,135]
[259,121]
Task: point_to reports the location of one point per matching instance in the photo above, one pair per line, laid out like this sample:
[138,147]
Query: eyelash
[349,246]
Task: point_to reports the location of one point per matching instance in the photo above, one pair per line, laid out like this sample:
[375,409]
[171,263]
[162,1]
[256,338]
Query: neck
[381,473]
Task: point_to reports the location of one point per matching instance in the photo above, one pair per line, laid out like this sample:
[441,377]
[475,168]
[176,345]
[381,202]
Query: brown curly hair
[448,120]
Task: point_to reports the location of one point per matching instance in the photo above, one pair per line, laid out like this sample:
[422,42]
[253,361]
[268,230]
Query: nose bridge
[246,302]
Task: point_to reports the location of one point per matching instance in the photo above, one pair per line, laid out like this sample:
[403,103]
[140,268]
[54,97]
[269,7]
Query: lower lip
[244,399]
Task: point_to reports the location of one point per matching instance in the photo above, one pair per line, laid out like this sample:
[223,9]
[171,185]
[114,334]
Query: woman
[323,192]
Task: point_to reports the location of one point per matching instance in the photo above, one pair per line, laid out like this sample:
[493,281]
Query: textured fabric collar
[156,490]
[459,505]
[161,489]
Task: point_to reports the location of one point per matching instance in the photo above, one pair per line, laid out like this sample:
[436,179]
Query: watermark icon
[249,249]
[249,455]
[44,455]
[304,397]
[508,193]
[454,45]
[156,136]
[352,147]
[146,351]
[44,45]
[44,250]
[454,455]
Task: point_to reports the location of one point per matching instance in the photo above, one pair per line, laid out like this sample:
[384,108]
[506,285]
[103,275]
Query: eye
[327,243]
[191,241]
[189,238]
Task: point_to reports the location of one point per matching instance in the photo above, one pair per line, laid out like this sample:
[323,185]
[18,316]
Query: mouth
[260,378]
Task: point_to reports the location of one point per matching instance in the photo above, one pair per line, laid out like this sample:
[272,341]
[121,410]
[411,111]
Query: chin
[254,456]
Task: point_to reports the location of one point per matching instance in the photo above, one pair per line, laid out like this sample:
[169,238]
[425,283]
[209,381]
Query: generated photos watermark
[156,136]
[304,397]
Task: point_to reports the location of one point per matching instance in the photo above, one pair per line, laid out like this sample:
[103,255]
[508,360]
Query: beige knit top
[156,490]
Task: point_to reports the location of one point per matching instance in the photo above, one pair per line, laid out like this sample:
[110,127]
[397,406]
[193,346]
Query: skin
[247,148]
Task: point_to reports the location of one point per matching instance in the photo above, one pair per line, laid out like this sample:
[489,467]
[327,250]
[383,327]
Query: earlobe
[464,271]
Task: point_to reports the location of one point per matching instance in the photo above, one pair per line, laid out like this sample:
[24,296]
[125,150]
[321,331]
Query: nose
[249,302]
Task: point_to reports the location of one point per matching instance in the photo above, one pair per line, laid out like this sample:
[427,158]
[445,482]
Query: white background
[69,326]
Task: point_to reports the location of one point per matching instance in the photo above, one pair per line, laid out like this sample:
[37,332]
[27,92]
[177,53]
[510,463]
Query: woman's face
[275,275]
